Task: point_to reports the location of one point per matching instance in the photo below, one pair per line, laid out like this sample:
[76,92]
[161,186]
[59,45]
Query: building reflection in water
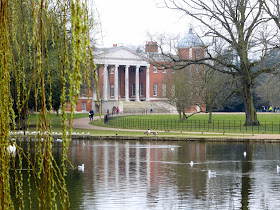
[129,174]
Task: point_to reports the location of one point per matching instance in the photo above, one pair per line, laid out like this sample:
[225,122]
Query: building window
[164,70]
[133,89]
[163,90]
[112,70]
[83,92]
[155,69]
[155,90]
[141,89]
[197,54]
[84,106]
[112,90]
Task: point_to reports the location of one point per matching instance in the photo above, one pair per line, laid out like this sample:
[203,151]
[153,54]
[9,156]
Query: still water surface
[158,175]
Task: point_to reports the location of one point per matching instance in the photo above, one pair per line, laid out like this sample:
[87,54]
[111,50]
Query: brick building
[125,75]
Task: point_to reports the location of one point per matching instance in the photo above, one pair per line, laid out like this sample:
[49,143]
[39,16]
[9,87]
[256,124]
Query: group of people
[115,110]
[270,109]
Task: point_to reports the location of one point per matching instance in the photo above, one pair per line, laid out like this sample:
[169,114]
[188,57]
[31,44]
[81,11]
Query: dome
[191,40]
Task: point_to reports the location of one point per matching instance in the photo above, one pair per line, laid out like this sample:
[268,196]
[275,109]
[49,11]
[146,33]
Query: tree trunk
[180,115]
[210,115]
[247,96]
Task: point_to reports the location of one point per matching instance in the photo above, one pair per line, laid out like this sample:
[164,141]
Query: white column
[148,83]
[126,83]
[137,84]
[116,81]
[109,85]
[105,82]
[94,94]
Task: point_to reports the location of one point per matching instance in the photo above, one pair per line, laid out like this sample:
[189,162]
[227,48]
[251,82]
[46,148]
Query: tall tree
[237,23]
[25,55]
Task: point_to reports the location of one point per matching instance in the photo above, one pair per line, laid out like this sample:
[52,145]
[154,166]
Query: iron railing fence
[145,111]
[228,126]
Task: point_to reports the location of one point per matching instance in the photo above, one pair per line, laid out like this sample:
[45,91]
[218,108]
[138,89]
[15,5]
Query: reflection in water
[158,175]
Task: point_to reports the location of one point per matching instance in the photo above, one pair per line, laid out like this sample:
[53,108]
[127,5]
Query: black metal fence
[229,126]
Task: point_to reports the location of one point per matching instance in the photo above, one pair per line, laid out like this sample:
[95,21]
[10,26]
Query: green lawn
[229,123]
[55,120]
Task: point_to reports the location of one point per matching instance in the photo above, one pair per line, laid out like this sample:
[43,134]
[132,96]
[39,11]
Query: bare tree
[240,25]
[183,90]
[272,7]
[268,89]
[218,87]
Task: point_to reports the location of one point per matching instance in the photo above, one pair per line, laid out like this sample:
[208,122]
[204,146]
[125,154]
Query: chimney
[151,47]
[115,45]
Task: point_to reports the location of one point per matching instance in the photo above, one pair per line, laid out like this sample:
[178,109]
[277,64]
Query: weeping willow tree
[28,31]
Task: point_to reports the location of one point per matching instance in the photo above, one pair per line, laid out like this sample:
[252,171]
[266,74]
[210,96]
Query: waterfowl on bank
[147,132]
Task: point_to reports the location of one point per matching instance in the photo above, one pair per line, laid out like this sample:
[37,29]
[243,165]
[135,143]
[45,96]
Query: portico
[123,75]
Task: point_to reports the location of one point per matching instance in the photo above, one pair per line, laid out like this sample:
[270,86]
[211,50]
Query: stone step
[144,107]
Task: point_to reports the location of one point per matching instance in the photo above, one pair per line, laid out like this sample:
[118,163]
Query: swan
[244,154]
[81,168]
[191,164]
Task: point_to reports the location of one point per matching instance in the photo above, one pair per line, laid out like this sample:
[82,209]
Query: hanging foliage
[44,50]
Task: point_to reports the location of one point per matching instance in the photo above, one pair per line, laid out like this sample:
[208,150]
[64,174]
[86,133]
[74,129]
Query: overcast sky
[129,21]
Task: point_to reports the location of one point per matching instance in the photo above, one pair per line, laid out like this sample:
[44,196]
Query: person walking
[151,109]
[91,113]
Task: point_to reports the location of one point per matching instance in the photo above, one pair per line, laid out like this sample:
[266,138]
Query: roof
[190,40]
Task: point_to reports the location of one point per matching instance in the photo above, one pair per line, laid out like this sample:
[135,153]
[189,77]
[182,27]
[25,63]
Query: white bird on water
[278,168]
[244,154]
[191,164]
[211,174]
[81,168]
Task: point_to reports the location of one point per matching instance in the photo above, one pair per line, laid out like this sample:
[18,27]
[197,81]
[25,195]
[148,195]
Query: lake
[158,175]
